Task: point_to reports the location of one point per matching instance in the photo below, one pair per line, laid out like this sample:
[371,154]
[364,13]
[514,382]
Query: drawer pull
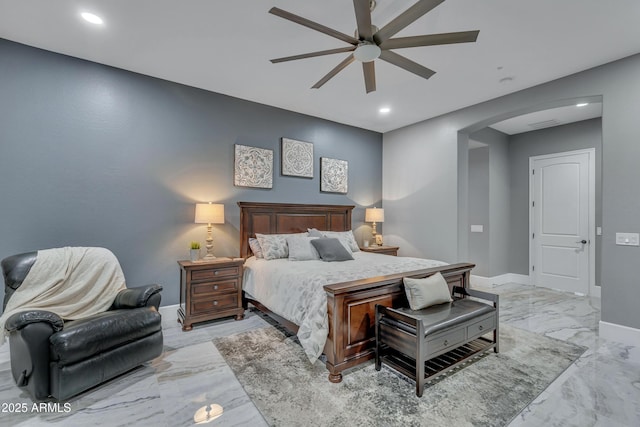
[215,303]
[480,327]
[215,273]
[446,343]
[215,288]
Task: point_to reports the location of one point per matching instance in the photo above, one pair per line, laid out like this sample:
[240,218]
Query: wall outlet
[628,239]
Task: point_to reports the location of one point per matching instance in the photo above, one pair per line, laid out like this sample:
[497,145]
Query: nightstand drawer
[213,273]
[222,302]
[210,290]
[221,286]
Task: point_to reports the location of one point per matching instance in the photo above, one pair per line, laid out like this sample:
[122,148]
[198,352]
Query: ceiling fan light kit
[367,52]
[371,43]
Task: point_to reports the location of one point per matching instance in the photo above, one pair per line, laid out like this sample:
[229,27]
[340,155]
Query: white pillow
[300,248]
[426,292]
[274,246]
[255,247]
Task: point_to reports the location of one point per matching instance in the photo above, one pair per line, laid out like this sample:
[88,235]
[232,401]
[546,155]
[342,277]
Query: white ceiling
[225,47]
[549,118]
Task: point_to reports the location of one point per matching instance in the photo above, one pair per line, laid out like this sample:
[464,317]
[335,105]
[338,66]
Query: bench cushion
[443,316]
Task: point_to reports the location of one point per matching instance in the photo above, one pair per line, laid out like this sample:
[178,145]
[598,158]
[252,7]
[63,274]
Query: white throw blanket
[73,282]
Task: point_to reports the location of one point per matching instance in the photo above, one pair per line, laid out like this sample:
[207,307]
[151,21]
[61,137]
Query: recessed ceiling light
[90,17]
[384,110]
[582,104]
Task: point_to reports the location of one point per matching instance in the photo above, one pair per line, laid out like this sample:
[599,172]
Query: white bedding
[294,289]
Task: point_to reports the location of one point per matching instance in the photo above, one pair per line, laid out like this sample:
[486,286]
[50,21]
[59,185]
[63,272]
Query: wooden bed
[350,305]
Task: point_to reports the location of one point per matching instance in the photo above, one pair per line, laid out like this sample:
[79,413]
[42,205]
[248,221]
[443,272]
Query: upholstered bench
[428,342]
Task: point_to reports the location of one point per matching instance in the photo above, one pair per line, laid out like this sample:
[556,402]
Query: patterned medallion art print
[297,158]
[334,175]
[253,167]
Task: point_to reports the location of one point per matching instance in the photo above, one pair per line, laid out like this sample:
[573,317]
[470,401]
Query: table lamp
[374,215]
[209,213]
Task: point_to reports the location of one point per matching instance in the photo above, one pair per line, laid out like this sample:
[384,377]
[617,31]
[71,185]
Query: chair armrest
[476,294]
[19,320]
[145,296]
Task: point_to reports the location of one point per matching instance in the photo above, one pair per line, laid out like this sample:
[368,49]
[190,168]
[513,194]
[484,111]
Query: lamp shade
[374,215]
[209,213]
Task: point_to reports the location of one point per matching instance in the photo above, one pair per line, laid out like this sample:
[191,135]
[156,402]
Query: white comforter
[294,289]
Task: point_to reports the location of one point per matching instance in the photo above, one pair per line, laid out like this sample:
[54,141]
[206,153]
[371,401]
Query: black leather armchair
[61,358]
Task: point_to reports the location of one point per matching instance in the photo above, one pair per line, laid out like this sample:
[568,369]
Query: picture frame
[334,175]
[296,158]
[253,167]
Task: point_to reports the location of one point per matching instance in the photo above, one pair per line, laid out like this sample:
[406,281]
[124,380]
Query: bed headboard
[285,218]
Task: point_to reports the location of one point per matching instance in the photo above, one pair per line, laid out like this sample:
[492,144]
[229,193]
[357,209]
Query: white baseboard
[619,333]
[499,280]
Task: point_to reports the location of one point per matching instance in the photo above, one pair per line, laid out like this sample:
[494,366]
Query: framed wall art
[334,175]
[297,158]
[253,167]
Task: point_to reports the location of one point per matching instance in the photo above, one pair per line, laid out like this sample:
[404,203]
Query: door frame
[593,289]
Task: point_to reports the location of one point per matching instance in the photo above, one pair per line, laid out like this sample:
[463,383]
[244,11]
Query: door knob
[584,242]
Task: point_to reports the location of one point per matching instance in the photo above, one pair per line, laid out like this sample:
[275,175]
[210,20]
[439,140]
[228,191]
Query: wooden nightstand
[210,290]
[385,250]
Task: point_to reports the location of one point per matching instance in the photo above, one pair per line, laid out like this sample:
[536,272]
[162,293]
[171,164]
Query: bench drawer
[481,327]
[441,342]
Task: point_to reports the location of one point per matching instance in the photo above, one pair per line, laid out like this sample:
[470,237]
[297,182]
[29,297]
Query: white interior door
[561,197]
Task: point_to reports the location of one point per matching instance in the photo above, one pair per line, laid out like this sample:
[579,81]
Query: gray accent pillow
[255,247]
[330,249]
[423,293]
[346,237]
[301,249]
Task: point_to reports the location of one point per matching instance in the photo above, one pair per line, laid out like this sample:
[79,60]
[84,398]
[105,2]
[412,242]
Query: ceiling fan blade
[369,70]
[313,54]
[404,19]
[407,64]
[341,66]
[363,18]
[431,40]
[313,25]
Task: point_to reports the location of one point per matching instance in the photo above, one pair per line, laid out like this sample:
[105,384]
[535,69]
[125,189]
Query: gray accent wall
[425,172]
[96,156]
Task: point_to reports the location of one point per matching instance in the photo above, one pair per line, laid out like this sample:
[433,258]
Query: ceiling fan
[371,43]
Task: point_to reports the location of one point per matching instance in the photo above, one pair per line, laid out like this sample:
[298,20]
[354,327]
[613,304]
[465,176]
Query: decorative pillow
[346,237]
[301,249]
[331,249]
[273,246]
[255,247]
[426,292]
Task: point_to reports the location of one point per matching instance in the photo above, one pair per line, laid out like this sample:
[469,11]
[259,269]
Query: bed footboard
[351,311]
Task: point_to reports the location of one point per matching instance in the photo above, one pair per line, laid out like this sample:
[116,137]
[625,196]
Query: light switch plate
[628,239]
[477,228]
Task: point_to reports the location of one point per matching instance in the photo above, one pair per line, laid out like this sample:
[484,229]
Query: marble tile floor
[601,389]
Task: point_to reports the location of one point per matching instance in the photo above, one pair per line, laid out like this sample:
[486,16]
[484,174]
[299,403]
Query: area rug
[489,391]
